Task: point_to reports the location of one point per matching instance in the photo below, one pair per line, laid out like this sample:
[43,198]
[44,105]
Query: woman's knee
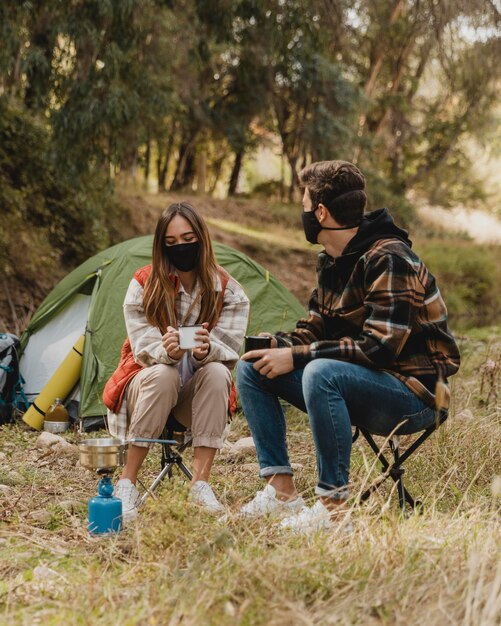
[215,374]
[165,378]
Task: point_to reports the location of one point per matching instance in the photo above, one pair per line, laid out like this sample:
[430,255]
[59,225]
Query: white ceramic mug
[187,336]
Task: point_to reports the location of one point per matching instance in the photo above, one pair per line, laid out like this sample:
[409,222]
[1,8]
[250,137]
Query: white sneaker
[310,520]
[265,502]
[201,493]
[127,492]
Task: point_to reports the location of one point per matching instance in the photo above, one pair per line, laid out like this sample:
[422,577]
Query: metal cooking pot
[108,453]
[55,427]
[103,454]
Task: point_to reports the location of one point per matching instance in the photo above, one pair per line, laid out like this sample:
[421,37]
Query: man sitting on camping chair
[370,354]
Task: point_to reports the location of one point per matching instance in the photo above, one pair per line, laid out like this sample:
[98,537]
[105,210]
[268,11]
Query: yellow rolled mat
[58,386]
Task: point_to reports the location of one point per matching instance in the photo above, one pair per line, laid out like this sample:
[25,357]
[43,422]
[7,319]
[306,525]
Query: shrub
[66,216]
[468,276]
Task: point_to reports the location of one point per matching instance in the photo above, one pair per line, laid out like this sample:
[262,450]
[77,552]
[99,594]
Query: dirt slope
[287,257]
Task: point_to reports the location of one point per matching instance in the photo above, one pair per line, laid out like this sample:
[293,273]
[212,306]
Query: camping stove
[104,456]
[105,511]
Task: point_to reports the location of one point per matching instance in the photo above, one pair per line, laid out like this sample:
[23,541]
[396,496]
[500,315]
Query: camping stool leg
[149,492]
[397,472]
[169,459]
[382,459]
[173,457]
[392,470]
[166,460]
[184,469]
[355,434]
[188,438]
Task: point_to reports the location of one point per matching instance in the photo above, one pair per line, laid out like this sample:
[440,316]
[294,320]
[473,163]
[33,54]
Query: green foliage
[382,193]
[468,276]
[454,182]
[64,217]
[95,89]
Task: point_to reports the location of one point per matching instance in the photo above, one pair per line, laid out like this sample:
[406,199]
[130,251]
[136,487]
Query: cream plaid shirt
[226,337]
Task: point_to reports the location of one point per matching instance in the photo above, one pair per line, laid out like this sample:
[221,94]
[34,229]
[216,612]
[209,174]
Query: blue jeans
[335,395]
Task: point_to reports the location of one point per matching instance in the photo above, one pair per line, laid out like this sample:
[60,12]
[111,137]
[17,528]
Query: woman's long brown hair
[160,290]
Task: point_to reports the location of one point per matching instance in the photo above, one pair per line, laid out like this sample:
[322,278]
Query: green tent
[90,299]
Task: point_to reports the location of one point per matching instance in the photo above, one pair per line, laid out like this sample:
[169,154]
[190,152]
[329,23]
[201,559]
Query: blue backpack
[12,397]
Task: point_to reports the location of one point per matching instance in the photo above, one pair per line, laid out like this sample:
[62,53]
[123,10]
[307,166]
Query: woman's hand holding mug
[201,350]
[170,342]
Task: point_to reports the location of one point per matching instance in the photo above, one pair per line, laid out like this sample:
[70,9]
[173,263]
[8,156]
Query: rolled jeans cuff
[207,441]
[336,493]
[275,469]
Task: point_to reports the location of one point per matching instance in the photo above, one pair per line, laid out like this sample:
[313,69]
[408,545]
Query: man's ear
[323,212]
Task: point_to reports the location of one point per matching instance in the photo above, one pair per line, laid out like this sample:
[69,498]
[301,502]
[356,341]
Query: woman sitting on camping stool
[183,286]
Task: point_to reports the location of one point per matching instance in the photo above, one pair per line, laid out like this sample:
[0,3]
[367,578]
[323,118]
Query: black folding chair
[394,469]
[171,455]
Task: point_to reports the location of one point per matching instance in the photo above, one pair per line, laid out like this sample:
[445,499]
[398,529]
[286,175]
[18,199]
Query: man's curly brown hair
[339,185]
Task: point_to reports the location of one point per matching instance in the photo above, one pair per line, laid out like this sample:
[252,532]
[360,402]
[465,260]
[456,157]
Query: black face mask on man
[312,226]
[183,256]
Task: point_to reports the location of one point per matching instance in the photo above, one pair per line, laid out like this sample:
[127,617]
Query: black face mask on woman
[312,226]
[183,256]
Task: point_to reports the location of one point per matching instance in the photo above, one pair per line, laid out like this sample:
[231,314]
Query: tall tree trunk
[201,162]
[378,125]
[304,160]
[375,69]
[162,171]
[38,75]
[282,176]
[189,171]
[176,182]
[14,85]
[294,177]
[160,164]
[147,160]
[217,168]
[235,173]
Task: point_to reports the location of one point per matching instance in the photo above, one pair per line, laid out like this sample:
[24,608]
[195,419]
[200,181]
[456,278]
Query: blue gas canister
[105,511]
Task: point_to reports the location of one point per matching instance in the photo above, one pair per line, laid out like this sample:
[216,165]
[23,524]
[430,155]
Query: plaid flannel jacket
[381,309]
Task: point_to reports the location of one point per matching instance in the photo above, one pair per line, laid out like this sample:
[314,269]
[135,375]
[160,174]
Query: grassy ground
[179,566]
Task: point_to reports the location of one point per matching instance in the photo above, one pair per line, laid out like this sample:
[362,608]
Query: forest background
[181,96]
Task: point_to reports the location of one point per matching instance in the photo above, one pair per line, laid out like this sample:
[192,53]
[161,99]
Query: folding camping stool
[394,469]
[171,453]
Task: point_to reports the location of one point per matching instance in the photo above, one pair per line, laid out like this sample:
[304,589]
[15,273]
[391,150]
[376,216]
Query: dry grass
[178,566]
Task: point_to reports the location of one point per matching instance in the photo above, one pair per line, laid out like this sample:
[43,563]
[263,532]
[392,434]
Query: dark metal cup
[256,343]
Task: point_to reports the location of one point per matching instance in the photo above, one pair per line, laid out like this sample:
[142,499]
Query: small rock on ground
[56,443]
[41,516]
[466,415]
[246,444]
[47,440]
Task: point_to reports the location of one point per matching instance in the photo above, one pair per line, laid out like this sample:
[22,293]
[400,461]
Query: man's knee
[245,373]
[327,371]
